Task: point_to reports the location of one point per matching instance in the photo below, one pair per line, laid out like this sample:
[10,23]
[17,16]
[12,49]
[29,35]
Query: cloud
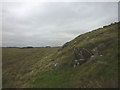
[52,23]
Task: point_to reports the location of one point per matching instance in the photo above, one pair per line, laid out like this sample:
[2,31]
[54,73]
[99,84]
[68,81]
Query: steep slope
[100,69]
[90,60]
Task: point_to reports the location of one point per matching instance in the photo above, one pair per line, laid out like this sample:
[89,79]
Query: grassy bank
[34,67]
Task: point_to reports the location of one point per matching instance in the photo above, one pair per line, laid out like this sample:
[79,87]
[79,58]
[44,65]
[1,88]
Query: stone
[78,63]
[74,66]
[95,51]
[76,60]
[52,60]
[96,57]
[92,56]
[85,53]
[81,53]
[75,42]
[81,61]
[55,64]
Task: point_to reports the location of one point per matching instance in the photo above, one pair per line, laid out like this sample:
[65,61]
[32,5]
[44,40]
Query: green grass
[31,68]
[19,65]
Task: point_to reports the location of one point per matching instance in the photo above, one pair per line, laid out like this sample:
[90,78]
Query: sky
[52,23]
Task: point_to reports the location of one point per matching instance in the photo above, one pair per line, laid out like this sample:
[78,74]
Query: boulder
[81,53]
[81,56]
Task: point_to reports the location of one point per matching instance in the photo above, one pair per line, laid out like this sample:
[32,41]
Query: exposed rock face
[81,53]
[81,56]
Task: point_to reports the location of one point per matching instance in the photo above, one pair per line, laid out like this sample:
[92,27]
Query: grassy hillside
[19,65]
[36,67]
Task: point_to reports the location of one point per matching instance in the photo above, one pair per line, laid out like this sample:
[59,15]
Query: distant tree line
[29,47]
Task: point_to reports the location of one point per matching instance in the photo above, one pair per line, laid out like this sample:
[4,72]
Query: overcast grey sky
[53,23]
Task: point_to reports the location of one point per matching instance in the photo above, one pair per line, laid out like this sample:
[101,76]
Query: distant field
[19,65]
